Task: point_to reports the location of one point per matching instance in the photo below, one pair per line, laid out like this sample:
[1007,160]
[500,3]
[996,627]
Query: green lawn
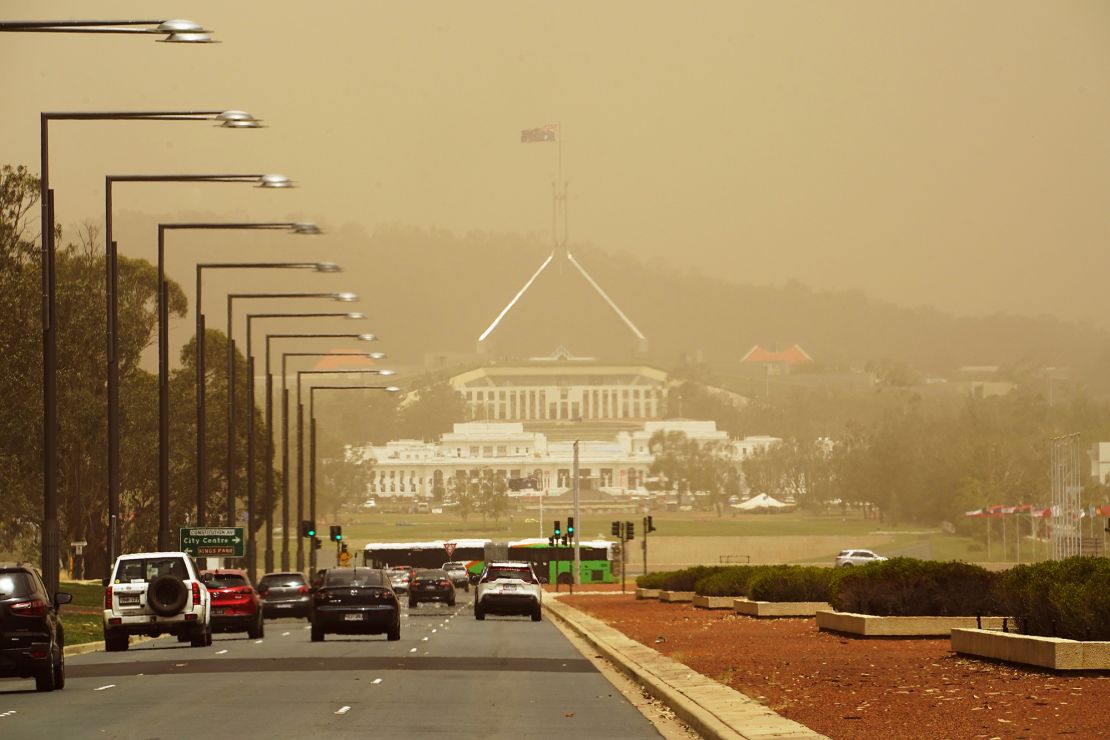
[84,594]
[81,628]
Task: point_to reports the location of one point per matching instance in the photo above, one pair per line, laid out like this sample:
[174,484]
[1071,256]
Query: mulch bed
[847,687]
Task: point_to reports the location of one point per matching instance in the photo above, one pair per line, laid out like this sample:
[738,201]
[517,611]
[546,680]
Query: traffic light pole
[577,524]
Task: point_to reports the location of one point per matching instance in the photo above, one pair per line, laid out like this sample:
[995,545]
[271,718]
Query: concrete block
[676,596]
[770,609]
[647,593]
[713,602]
[868,625]
[1045,652]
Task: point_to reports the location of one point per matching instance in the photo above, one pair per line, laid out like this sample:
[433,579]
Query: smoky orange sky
[955,154]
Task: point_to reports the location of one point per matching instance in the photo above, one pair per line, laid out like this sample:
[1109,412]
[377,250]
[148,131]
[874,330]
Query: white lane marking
[376,681]
[343,710]
[423,639]
[308,627]
[433,632]
[12,711]
[285,634]
[258,642]
[413,650]
[109,686]
[221,652]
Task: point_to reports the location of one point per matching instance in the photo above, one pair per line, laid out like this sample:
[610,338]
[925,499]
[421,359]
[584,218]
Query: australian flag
[544,133]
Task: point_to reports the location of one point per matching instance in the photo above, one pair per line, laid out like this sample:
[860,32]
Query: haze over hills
[431,291]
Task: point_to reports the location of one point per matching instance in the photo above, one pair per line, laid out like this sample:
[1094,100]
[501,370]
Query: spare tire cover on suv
[166,595]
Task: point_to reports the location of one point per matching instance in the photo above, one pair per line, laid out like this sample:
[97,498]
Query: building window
[487,451]
[502,451]
[474,451]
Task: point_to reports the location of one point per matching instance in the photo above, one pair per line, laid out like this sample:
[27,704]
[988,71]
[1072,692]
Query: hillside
[439,291]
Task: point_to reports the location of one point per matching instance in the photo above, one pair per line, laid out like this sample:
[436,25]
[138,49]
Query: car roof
[224,572]
[143,555]
[510,564]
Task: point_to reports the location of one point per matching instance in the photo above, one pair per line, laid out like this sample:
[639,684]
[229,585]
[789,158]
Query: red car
[235,604]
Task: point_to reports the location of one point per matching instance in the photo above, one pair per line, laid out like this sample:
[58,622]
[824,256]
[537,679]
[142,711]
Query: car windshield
[354,577]
[147,569]
[522,573]
[397,573]
[14,584]
[282,581]
[431,575]
[224,580]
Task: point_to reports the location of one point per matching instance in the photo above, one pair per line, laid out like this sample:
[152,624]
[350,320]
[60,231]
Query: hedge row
[1068,598]
[1064,598]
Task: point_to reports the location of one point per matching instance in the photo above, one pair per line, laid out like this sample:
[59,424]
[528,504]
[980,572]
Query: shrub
[791,583]
[915,588]
[652,580]
[1066,598]
[732,581]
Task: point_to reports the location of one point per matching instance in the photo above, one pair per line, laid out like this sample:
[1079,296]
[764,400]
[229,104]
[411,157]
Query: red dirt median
[861,689]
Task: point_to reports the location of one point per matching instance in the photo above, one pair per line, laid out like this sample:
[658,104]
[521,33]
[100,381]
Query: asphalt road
[449,675]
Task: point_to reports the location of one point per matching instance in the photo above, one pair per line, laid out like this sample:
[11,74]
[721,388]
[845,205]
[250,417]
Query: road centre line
[221,652]
[12,711]
[258,642]
[343,710]
[285,634]
[412,650]
[376,681]
[101,688]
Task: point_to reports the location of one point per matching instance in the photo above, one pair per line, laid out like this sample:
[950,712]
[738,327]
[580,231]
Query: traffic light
[336,532]
[316,543]
[630,530]
[570,526]
[616,529]
[558,529]
[648,526]
[308,529]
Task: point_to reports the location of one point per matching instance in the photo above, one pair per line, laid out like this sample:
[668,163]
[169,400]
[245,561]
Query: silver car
[847,558]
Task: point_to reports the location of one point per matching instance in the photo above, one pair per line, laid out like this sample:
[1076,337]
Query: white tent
[760,501]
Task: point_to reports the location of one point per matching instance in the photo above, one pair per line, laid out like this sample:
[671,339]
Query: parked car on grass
[848,558]
[32,635]
[355,601]
[236,606]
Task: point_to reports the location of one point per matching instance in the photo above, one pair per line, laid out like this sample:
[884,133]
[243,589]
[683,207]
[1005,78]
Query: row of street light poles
[174,31]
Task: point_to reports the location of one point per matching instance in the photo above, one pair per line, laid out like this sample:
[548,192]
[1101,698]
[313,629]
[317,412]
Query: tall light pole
[285,430]
[201,458]
[112,293]
[164,379]
[269,524]
[49,321]
[300,437]
[231,298]
[175,31]
[312,439]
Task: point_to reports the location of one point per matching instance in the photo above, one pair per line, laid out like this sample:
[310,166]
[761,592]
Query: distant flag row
[543,133]
[1038,511]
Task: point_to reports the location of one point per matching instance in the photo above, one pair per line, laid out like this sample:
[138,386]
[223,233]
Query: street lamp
[49,322]
[164,382]
[112,277]
[312,432]
[175,31]
[269,555]
[294,227]
[231,298]
[285,426]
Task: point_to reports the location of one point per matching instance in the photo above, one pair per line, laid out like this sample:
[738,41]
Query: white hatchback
[846,558]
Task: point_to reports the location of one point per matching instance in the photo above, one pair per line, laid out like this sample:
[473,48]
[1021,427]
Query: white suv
[846,558]
[508,587]
[155,593]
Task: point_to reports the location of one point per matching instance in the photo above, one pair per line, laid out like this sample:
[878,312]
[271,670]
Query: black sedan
[431,585]
[355,601]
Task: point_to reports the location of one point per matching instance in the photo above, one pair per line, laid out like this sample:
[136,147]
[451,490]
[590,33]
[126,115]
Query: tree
[431,410]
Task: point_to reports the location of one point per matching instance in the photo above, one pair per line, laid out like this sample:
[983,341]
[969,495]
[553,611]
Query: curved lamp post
[175,30]
[300,439]
[285,428]
[231,298]
[229,118]
[312,440]
[112,278]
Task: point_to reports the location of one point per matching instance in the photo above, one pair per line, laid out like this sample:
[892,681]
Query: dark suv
[31,636]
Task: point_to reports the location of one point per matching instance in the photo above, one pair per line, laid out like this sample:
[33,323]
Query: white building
[414,468]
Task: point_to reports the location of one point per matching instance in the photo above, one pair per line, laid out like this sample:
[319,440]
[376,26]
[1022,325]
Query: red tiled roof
[794,355]
[344,362]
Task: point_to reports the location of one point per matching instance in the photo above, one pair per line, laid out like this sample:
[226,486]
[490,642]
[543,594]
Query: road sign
[344,558]
[212,541]
[450,548]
